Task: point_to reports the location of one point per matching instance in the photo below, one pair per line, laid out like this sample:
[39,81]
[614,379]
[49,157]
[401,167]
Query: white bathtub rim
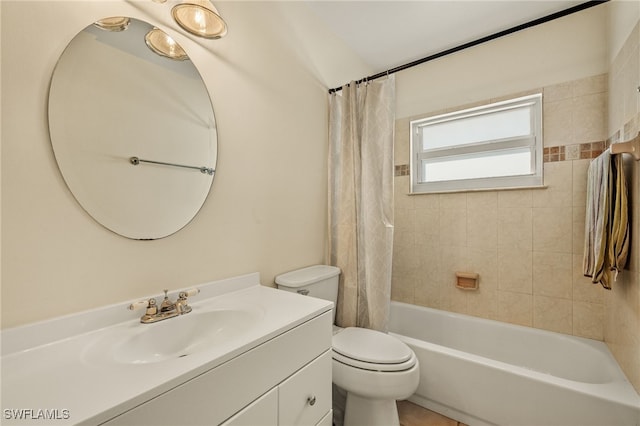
[600,347]
[619,391]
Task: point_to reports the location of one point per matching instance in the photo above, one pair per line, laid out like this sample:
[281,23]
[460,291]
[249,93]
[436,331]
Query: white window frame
[473,150]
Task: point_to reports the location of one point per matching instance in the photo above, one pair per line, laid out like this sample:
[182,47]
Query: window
[488,147]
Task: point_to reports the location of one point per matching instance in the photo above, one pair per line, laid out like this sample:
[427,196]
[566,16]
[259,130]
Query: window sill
[456,191]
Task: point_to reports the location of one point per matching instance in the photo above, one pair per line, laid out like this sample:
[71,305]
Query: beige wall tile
[552,274]
[515,308]
[452,259]
[405,256]
[402,141]
[455,201]
[517,95]
[483,303]
[484,262]
[520,198]
[589,118]
[426,201]
[443,300]
[578,229]
[515,270]
[482,200]
[515,228]
[404,220]
[558,92]
[583,289]
[552,229]
[590,85]
[458,299]
[553,314]
[482,228]
[427,222]
[588,320]
[558,122]
[552,198]
[401,189]
[453,227]
[427,289]
[558,176]
[427,296]
[402,288]
[579,181]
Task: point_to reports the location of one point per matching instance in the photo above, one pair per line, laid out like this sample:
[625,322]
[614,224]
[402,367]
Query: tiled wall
[526,244]
[622,303]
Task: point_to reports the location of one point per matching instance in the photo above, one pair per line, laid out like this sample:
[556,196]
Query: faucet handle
[142,304]
[188,293]
[150,305]
[181,304]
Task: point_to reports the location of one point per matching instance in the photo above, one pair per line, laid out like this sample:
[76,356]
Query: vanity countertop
[64,371]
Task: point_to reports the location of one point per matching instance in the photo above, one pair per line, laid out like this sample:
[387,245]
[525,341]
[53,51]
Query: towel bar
[631,147]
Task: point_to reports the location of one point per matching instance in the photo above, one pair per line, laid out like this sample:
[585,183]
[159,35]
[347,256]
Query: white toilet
[374,368]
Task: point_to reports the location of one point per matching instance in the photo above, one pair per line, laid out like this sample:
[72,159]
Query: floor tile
[414,415]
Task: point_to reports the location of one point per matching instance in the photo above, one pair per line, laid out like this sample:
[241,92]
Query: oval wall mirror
[133,131]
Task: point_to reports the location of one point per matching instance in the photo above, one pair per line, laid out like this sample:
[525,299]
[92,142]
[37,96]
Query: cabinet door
[305,397]
[262,412]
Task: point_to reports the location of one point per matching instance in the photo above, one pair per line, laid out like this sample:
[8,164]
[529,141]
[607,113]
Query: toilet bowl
[373,368]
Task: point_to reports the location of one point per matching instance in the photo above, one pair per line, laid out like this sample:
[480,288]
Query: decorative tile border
[579,151]
[402,170]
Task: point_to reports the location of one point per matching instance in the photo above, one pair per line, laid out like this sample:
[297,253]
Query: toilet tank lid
[306,276]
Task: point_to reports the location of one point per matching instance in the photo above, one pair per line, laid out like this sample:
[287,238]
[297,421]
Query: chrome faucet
[168,309]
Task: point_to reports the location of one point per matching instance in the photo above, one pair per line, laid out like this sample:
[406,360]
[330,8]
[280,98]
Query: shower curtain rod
[551,17]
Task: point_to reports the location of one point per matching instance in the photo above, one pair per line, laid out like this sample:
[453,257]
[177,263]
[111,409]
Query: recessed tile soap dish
[467,280]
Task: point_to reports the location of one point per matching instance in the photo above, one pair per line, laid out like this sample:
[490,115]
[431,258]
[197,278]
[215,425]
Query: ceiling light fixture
[201,18]
[162,44]
[114,24]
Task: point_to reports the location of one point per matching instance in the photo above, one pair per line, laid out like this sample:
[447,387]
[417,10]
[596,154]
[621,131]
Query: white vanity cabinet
[302,399]
[283,381]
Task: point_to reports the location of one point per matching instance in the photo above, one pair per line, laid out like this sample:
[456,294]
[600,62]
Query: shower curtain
[361,123]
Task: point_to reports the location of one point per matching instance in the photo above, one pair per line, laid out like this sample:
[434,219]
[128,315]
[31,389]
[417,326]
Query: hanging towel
[606,244]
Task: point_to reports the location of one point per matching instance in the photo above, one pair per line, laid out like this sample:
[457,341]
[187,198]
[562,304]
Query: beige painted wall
[266,211]
[562,50]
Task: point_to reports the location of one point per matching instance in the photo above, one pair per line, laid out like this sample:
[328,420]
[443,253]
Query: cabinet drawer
[261,412]
[305,397]
[326,420]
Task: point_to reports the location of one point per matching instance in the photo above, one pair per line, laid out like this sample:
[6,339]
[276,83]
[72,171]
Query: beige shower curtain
[361,200]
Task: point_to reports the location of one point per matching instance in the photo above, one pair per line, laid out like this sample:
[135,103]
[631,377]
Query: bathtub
[484,372]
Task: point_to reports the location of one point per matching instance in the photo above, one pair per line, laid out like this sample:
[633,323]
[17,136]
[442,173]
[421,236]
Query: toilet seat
[371,350]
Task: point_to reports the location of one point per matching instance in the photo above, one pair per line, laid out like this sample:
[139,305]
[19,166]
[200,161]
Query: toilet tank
[319,281]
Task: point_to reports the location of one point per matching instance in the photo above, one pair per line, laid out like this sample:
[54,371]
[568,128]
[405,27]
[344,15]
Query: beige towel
[606,224]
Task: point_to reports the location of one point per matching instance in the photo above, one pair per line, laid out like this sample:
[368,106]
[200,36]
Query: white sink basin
[170,339]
